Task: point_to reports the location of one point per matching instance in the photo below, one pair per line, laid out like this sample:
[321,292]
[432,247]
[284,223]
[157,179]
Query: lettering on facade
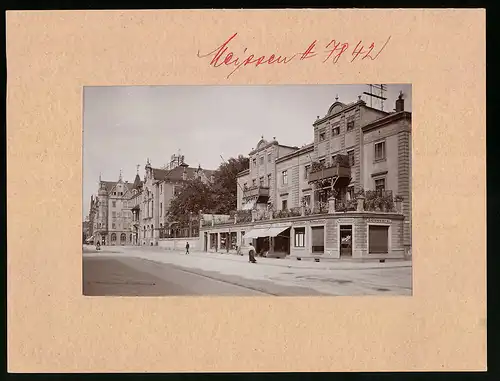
[378,221]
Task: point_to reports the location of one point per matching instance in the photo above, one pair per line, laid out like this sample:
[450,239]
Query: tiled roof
[175,174]
[137,182]
[110,184]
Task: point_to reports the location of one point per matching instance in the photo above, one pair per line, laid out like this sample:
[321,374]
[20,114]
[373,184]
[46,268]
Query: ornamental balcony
[256,192]
[335,171]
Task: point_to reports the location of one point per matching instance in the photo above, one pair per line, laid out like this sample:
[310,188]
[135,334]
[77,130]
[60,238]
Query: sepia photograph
[287,190]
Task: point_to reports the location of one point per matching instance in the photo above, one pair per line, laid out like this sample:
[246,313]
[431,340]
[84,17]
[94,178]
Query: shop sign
[378,221]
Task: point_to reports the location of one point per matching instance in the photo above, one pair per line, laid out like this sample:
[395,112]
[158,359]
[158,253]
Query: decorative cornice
[386,120]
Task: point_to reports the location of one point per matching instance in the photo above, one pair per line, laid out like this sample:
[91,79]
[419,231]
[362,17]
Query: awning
[256,233]
[273,232]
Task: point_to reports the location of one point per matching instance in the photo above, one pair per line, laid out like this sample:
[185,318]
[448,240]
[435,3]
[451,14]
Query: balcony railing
[327,172]
[257,191]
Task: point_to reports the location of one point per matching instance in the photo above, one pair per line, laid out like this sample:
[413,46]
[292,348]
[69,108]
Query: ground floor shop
[341,235]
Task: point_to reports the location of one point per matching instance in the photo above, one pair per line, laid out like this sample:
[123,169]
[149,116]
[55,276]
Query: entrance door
[346,240]
[205,245]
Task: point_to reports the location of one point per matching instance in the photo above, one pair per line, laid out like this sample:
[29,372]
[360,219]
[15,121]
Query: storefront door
[346,240]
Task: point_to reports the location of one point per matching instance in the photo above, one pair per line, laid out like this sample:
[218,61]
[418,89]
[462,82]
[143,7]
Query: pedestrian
[251,254]
[187,247]
[98,246]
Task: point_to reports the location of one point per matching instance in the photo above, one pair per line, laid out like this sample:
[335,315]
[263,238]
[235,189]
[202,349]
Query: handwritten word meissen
[331,52]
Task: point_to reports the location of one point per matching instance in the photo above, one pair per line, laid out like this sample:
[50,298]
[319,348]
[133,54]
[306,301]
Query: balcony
[256,192]
[329,172]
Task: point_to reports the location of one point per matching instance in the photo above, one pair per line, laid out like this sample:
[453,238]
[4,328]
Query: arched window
[123,238]
[113,237]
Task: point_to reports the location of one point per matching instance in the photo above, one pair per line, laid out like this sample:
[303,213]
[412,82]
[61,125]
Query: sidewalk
[328,264]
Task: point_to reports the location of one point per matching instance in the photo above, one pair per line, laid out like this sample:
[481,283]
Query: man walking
[251,254]
[187,247]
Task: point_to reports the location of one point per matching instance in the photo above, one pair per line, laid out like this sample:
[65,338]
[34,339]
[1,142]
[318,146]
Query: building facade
[135,213]
[347,193]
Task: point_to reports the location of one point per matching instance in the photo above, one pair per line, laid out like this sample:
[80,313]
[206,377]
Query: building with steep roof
[124,213]
[110,213]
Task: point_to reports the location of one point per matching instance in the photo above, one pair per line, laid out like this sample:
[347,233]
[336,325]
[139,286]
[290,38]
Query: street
[152,271]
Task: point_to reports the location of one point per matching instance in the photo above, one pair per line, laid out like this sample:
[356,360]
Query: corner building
[346,194]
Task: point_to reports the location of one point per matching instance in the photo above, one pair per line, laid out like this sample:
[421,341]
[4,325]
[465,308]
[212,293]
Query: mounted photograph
[283,190]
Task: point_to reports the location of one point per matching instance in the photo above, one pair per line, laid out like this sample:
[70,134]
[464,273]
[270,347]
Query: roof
[137,182]
[387,119]
[175,174]
[110,184]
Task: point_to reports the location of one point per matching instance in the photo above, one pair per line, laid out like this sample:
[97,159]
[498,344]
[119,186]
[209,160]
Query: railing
[256,191]
[327,172]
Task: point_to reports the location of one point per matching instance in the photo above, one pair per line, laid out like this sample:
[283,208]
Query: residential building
[136,213]
[348,193]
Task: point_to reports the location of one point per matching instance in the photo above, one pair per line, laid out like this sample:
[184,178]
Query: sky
[123,126]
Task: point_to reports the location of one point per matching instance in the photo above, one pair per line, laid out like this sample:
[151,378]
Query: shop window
[300,234]
[318,239]
[378,238]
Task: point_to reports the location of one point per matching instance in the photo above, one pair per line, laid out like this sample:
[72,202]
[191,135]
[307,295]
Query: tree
[193,197]
[224,187]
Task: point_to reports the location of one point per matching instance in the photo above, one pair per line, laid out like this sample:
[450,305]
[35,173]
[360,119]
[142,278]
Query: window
[300,234]
[284,175]
[262,160]
[161,188]
[307,201]
[113,237]
[350,193]
[307,169]
[245,186]
[350,125]
[113,214]
[380,151]
[261,181]
[254,182]
[269,157]
[378,238]
[322,161]
[161,209]
[268,180]
[336,131]
[254,162]
[350,154]
[113,226]
[114,193]
[322,136]
[284,205]
[380,185]
[176,190]
[114,204]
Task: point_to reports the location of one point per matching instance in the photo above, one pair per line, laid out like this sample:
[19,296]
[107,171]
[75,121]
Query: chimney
[400,102]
